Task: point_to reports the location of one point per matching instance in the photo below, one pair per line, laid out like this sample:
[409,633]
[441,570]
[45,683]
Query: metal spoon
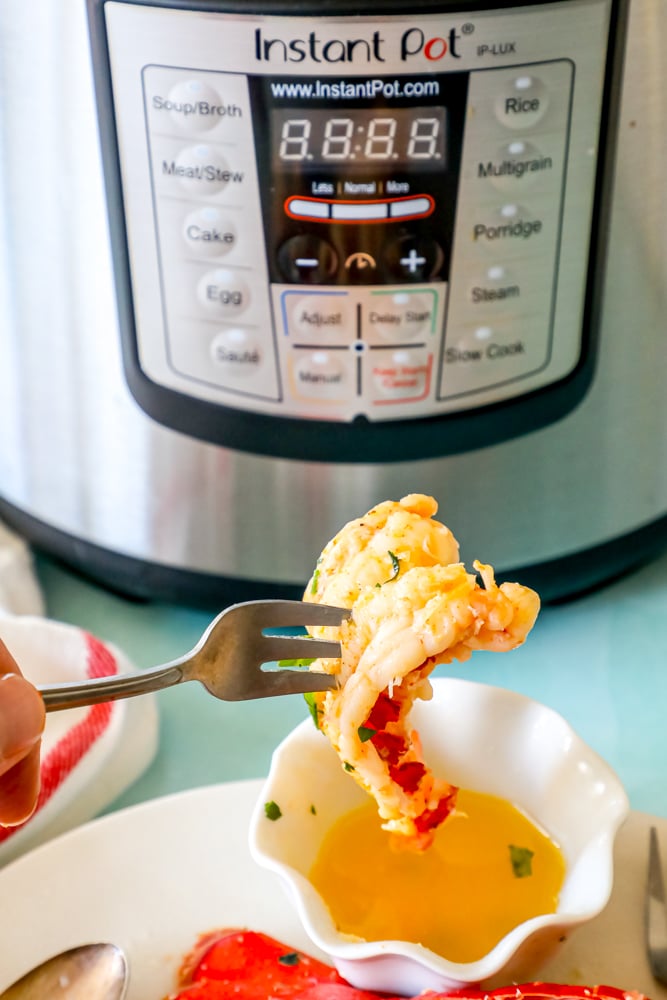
[89,972]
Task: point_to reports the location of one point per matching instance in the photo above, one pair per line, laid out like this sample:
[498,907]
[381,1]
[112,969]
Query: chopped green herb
[295,663]
[366,733]
[348,767]
[521,859]
[313,809]
[378,585]
[313,586]
[289,958]
[272,810]
[395,565]
[311,702]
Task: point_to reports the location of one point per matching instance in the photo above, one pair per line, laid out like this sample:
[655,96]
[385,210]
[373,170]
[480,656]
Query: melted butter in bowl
[489,869]
[536,787]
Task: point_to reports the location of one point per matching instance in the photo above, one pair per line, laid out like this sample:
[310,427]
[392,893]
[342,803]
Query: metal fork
[227,660]
[656,912]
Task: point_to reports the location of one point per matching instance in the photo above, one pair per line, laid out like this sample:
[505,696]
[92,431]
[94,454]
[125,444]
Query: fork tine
[297,647]
[279,682]
[291,614]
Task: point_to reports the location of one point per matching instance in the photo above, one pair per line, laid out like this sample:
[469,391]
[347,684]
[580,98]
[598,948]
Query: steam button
[307,260]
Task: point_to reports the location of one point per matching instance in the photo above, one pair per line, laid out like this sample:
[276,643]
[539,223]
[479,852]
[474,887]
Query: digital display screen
[401,137]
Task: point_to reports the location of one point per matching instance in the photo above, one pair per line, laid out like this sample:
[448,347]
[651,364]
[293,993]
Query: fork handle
[78,693]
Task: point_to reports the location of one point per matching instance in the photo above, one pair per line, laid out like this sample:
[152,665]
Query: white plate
[153,877]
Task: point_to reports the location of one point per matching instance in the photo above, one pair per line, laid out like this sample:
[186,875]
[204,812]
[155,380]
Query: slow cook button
[399,316]
[208,232]
[522,101]
[320,318]
[320,375]
[404,375]
[223,292]
[200,170]
[236,352]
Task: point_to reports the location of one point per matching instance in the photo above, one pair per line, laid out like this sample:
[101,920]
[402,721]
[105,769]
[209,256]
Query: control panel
[355,218]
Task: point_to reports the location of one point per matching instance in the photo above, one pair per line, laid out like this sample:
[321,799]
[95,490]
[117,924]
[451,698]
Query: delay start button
[400,316]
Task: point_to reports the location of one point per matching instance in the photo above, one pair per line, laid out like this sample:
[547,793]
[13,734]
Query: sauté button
[307,260]
[236,351]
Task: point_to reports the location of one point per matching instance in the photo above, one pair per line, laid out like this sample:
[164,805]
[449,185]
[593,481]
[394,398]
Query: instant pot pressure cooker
[265,264]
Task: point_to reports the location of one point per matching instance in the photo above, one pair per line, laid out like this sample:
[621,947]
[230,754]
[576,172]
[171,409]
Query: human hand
[21,725]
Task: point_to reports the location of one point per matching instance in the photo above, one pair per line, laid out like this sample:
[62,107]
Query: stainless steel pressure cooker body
[265,265]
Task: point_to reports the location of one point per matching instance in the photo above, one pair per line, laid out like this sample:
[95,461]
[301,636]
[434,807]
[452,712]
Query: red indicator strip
[352,212]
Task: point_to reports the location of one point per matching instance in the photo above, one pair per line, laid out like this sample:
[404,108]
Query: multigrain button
[199,169]
[236,352]
[307,260]
[209,232]
[517,164]
[223,293]
[522,101]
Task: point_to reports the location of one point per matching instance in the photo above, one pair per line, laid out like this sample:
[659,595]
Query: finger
[8,664]
[22,718]
[19,788]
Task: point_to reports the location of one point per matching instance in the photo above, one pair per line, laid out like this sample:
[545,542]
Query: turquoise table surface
[600,660]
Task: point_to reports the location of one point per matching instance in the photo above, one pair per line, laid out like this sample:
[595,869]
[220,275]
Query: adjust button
[414,258]
[307,260]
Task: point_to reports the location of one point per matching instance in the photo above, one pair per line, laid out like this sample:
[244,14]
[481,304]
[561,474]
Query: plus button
[412,262]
